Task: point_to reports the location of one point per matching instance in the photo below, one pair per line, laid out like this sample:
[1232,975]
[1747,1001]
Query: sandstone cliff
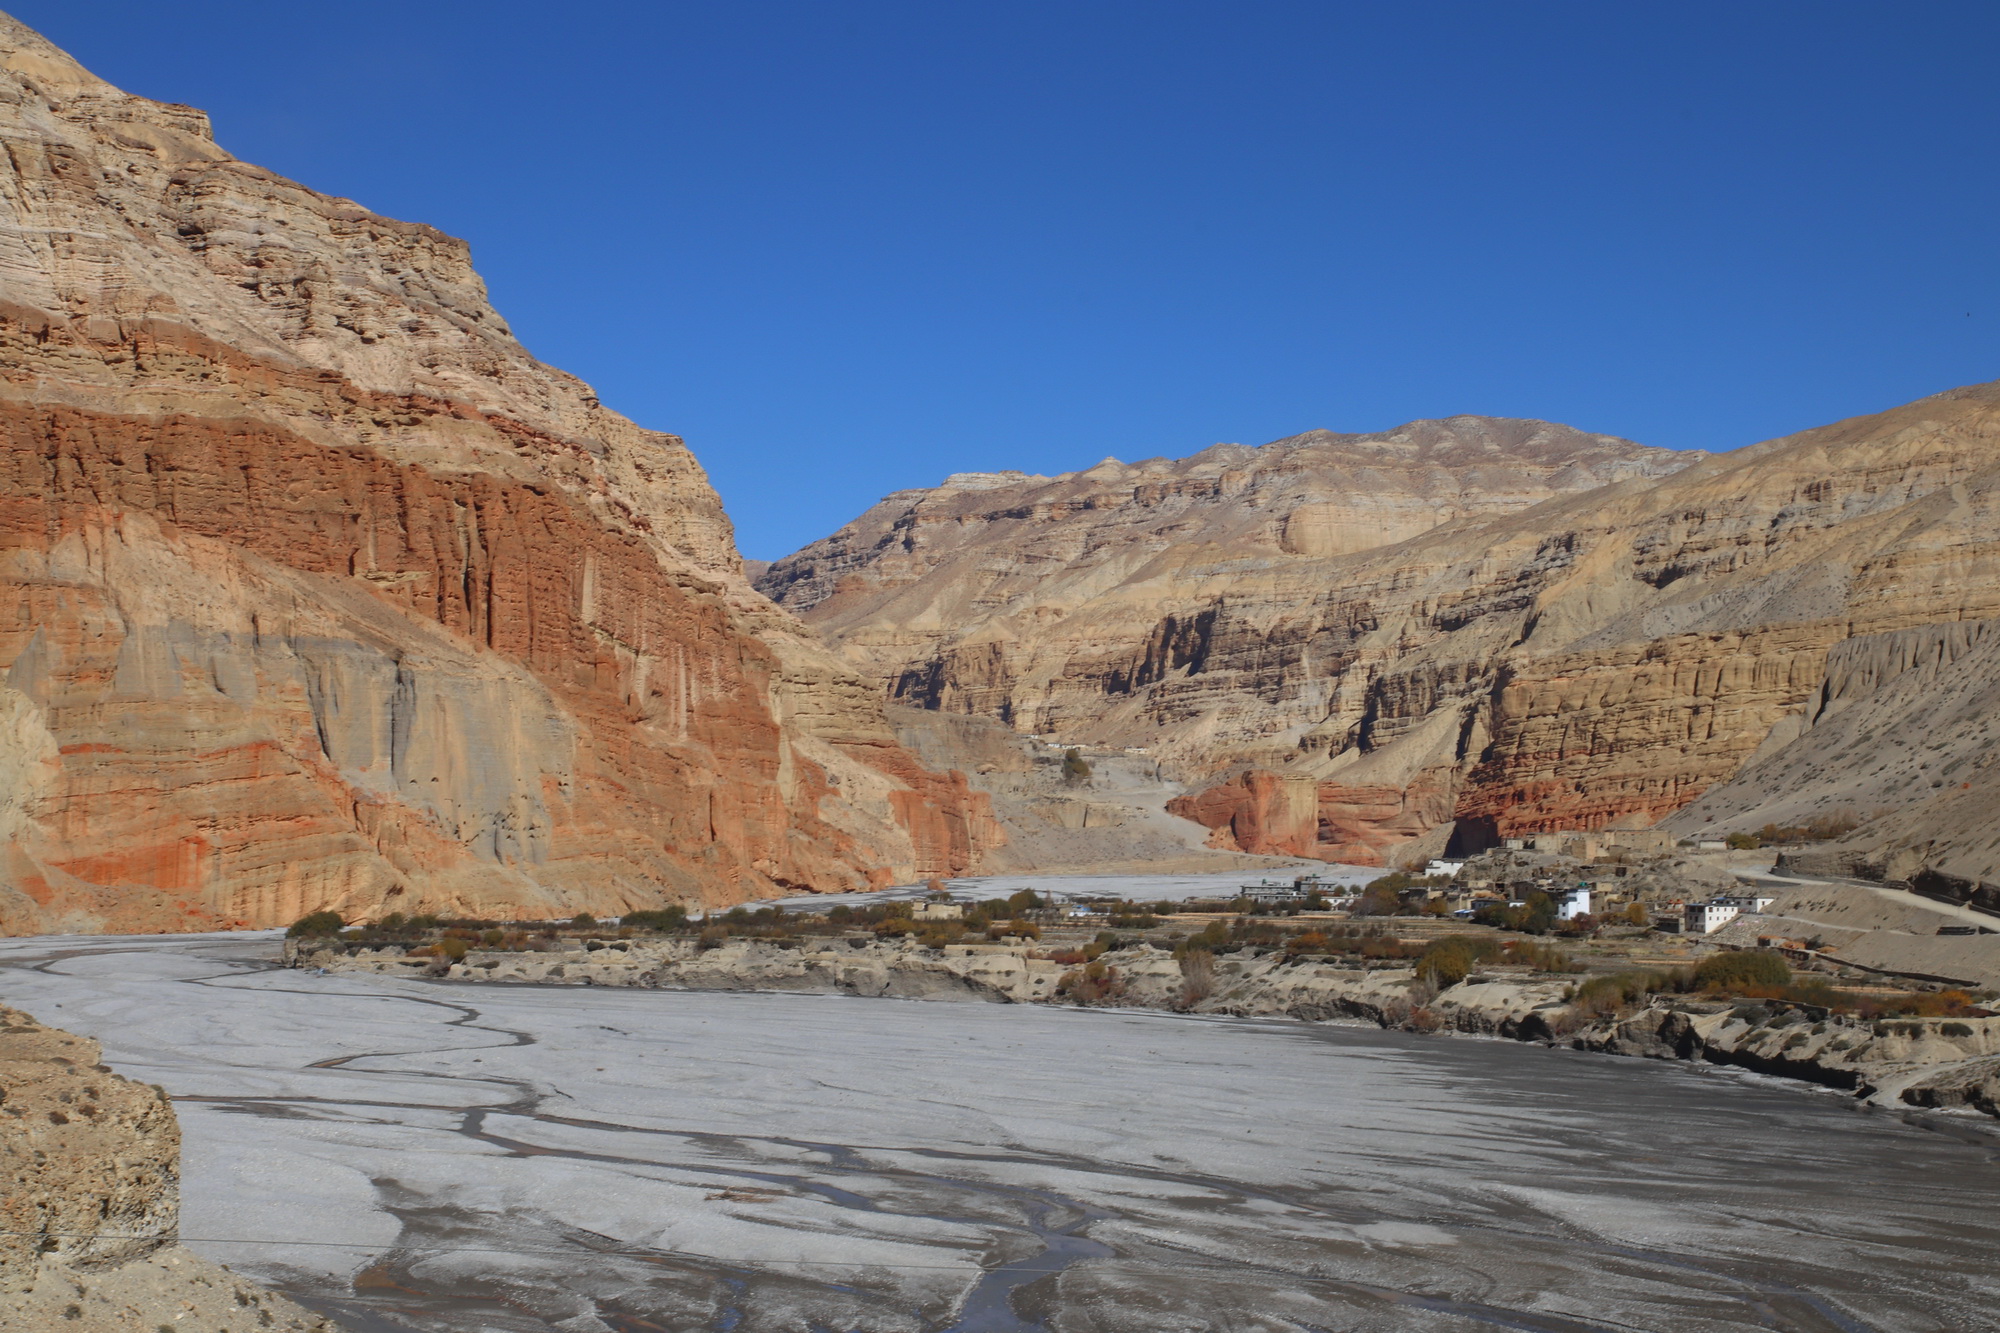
[1603,656]
[1900,734]
[1045,600]
[317,590]
[91,1205]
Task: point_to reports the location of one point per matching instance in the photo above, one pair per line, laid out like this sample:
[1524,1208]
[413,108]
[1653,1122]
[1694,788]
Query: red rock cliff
[316,590]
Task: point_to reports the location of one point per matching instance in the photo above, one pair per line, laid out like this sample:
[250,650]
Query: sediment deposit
[1932,1063]
[91,1206]
[594,1158]
[319,591]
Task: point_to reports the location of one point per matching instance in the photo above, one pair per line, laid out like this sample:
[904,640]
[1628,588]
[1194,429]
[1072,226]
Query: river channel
[404,1154]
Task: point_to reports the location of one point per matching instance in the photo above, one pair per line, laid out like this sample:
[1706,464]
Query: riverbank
[582,1159]
[90,1216]
[1929,1063]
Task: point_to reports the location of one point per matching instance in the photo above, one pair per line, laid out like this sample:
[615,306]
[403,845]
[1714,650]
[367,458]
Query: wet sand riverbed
[421,1155]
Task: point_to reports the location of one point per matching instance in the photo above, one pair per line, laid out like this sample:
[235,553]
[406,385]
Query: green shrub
[1740,969]
[1541,957]
[1210,937]
[1611,994]
[317,923]
[1075,768]
[1450,959]
[583,921]
[1535,916]
[669,918]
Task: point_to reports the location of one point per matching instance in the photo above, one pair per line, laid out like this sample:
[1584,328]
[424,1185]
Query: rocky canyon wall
[1604,654]
[317,591]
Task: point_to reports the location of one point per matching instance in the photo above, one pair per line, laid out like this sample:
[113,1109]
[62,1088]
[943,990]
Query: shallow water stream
[422,1155]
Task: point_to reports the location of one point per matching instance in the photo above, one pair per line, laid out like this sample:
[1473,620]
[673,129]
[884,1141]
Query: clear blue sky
[847,247]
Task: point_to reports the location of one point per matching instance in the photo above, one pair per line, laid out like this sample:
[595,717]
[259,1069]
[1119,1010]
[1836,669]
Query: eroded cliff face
[316,590]
[1045,600]
[1901,735]
[1606,659]
[1602,657]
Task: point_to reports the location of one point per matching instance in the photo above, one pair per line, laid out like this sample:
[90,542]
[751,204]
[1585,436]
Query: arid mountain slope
[1044,600]
[1901,733]
[319,591]
[1604,656]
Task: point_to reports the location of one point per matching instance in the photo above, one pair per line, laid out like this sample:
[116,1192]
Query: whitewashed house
[1709,917]
[1572,903]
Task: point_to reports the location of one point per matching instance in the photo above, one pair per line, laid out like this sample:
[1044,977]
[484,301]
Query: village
[1579,903]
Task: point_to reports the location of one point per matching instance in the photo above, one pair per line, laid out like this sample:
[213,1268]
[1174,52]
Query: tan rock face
[1035,598]
[1900,734]
[90,1211]
[1603,656]
[316,590]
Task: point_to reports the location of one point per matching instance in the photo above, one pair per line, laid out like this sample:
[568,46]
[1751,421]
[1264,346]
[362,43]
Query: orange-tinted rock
[1257,812]
[1604,656]
[317,591]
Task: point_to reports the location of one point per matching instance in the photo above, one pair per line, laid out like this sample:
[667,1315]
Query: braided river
[408,1154]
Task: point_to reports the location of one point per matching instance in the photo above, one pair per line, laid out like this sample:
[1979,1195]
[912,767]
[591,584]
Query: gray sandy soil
[422,1155]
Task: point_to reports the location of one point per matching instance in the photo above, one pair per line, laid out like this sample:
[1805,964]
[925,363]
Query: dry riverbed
[409,1154]
[1934,1063]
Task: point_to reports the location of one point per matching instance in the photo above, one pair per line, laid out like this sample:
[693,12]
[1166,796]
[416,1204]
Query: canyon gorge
[319,591]
[1374,648]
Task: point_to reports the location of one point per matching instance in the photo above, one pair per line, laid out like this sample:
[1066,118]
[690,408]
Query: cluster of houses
[1449,888]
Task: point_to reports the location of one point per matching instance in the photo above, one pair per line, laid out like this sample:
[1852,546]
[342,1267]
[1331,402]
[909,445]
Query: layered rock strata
[1900,734]
[317,590]
[1603,657]
[1114,821]
[91,1207]
[1045,600]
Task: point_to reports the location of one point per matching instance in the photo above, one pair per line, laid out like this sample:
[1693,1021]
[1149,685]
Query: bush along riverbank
[1931,1049]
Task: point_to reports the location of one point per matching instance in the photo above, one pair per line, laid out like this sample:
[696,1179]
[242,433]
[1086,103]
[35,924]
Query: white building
[1746,902]
[1709,917]
[1444,867]
[1572,903]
